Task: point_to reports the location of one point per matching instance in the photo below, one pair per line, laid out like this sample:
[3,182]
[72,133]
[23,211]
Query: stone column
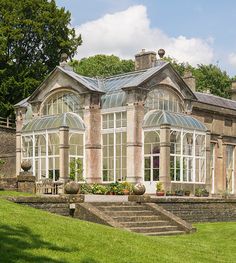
[18,152]
[135,115]
[208,162]
[64,153]
[93,147]
[165,156]
[219,166]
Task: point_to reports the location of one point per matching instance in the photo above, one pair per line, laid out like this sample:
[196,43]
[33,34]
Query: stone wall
[53,204]
[196,210]
[8,152]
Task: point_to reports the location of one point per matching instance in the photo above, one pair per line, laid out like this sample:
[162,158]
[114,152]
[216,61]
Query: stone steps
[144,223]
[139,218]
[136,218]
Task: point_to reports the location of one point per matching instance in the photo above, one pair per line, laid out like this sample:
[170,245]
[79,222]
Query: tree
[33,35]
[208,77]
[102,65]
[212,78]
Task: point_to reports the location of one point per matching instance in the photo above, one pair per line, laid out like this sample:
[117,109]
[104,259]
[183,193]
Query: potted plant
[187,193]
[204,192]
[179,193]
[159,189]
[169,193]
[127,188]
[198,192]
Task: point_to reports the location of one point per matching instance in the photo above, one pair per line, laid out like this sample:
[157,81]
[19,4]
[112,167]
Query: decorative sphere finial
[64,57]
[161,53]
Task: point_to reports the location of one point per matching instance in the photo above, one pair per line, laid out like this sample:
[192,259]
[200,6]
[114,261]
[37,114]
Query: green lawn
[30,235]
[14,193]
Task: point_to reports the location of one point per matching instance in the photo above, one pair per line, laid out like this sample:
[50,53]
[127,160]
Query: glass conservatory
[42,137]
[184,141]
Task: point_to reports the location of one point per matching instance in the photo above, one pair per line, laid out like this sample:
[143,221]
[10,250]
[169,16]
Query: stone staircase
[145,219]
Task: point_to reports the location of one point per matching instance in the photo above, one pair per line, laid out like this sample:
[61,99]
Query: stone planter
[139,189]
[160,193]
[72,188]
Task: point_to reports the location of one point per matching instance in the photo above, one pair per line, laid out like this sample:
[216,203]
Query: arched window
[163,99]
[152,156]
[62,102]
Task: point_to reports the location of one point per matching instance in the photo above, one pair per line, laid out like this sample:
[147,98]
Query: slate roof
[215,100]
[114,95]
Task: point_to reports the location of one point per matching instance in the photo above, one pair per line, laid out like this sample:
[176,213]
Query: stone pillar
[93,147]
[219,166]
[165,156]
[208,162]
[18,152]
[135,115]
[64,153]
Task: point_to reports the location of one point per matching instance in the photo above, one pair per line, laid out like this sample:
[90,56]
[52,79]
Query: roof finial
[64,63]
[64,57]
[161,53]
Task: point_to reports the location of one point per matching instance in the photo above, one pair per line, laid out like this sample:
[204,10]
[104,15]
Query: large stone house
[144,126]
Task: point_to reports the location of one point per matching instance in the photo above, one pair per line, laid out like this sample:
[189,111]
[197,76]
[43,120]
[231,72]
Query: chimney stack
[190,80]
[233,90]
[145,60]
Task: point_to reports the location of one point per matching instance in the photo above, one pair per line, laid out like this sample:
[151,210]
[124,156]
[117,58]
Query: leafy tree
[212,78]
[33,35]
[102,65]
[208,77]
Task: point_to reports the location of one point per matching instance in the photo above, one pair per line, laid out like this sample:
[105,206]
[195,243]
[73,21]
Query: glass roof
[157,118]
[68,119]
[116,99]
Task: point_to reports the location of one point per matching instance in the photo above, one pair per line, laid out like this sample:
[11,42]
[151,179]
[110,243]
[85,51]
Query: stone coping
[179,199]
[47,199]
[105,198]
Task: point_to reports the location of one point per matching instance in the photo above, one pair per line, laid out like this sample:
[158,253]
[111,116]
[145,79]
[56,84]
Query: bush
[99,189]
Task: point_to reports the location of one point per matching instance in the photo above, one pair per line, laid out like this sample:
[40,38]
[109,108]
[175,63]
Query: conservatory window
[42,149]
[76,171]
[114,146]
[152,156]
[163,99]
[175,155]
[187,156]
[230,168]
[62,102]
[212,166]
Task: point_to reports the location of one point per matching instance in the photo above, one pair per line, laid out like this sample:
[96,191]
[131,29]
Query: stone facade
[99,105]
[7,151]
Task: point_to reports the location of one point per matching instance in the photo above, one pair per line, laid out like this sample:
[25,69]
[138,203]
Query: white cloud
[232,59]
[126,33]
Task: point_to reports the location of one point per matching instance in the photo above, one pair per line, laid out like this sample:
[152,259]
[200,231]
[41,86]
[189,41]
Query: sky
[197,32]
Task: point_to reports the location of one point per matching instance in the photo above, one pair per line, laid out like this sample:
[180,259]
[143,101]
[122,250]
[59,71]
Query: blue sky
[201,31]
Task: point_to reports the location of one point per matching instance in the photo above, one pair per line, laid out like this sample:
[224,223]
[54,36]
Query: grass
[13,193]
[31,235]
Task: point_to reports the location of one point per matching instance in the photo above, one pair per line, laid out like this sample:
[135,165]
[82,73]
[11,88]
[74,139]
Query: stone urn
[26,165]
[71,188]
[139,189]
